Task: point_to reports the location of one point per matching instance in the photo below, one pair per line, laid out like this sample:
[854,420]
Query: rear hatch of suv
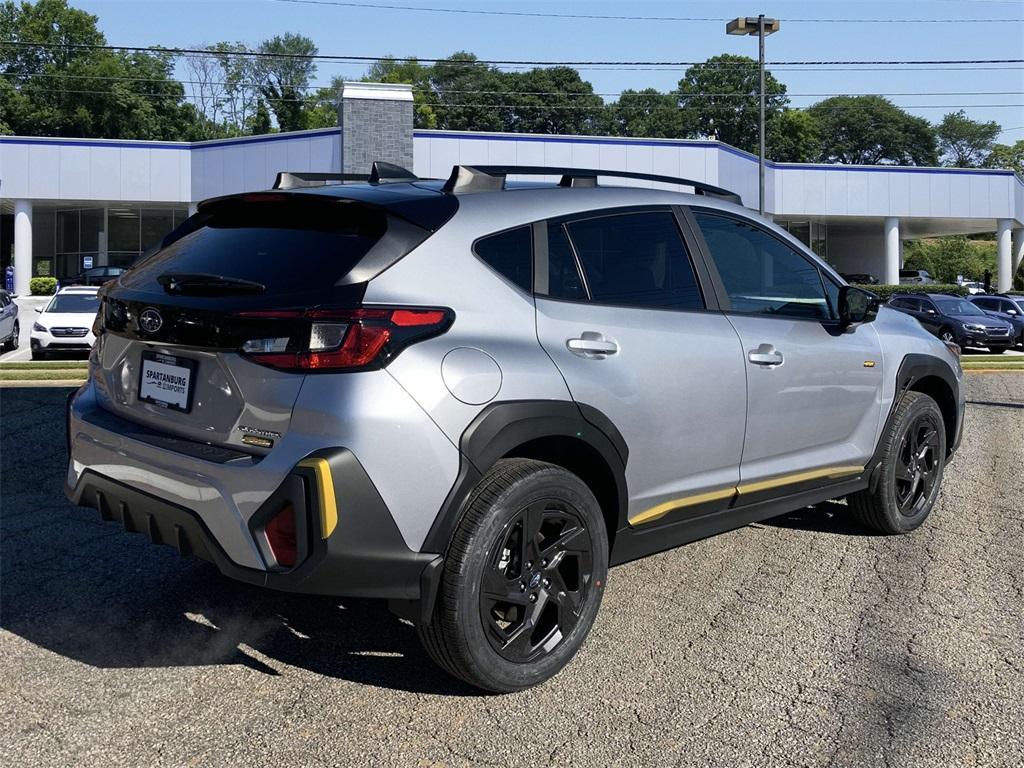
[210,337]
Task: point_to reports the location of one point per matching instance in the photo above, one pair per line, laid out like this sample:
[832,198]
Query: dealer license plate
[167,380]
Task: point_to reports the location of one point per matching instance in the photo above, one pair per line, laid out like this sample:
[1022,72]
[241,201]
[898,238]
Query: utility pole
[762,27]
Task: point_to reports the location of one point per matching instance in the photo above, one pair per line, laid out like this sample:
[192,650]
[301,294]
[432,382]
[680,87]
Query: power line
[354,58]
[608,17]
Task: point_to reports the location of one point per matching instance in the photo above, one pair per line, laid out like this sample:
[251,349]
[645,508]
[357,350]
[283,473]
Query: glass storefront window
[155,224]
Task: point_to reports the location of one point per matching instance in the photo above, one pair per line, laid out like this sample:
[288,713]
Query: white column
[1017,249]
[1004,268]
[22,246]
[892,251]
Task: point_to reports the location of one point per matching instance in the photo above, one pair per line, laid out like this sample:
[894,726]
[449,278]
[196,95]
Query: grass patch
[50,375]
[45,366]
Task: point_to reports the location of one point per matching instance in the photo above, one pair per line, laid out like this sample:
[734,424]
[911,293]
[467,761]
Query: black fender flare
[501,427]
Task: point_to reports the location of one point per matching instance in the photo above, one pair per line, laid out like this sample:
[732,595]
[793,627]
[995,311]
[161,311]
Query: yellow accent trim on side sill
[325,494]
[799,477]
[654,513]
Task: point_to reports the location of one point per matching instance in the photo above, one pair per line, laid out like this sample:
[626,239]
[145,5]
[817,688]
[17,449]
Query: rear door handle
[591,343]
[765,354]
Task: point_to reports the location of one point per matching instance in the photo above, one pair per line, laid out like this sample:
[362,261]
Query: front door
[814,388]
[622,314]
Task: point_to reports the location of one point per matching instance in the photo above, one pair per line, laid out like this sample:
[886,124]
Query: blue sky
[375,32]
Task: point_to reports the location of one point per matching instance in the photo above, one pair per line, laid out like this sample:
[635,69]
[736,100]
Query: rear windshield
[75,302]
[289,246]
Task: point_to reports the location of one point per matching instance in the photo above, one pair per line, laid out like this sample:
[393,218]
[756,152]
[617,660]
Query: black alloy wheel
[534,587]
[917,465]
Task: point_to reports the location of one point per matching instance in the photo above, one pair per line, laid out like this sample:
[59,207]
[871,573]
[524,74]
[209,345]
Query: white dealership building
[68,203]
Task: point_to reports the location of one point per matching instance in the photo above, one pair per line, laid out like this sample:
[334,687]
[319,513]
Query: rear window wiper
[201,282]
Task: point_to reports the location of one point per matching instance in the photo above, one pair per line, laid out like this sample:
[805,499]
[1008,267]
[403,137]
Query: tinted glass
[288,246]
[636,259]
[563,276]
[761,274]
[953,306]
[510,254]
[74,302]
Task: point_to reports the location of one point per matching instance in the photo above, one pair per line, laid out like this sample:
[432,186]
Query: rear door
[813,388]
[624,313]
[8,312]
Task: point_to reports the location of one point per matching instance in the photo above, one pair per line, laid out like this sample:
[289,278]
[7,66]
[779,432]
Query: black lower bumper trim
[365,556]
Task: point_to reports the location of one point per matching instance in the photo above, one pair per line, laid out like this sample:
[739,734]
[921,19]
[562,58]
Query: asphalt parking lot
[802,641]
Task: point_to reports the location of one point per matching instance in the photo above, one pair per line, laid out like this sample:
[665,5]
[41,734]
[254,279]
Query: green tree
[872,130]
[648,113]
[259,122]
[285,70]
[794,136]
[720,100]
[72,91]
[1007,156]
[553,100]
[470,96]
[392,70]
[947,258]
[965,143]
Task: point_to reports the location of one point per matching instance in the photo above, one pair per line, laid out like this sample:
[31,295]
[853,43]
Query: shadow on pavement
[827,517]
[84,589]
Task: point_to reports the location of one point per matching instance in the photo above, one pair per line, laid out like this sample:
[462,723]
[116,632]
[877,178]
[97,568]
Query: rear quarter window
[510,254]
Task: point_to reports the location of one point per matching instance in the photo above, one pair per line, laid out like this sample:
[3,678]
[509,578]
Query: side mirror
[39,310]
[930,311]
[1011,311]
[857,305]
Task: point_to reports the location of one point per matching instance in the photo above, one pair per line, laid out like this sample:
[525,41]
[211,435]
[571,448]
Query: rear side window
[637,260]
[510,254]
[289,246]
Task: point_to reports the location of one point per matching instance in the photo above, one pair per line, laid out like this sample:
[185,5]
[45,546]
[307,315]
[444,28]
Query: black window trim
[705,285]
[533,255]
[701,245]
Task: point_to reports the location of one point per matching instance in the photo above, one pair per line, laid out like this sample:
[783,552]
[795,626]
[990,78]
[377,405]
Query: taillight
[340,340]
[280,530]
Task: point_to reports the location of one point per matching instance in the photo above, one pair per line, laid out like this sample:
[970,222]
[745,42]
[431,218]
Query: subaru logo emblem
[150,320]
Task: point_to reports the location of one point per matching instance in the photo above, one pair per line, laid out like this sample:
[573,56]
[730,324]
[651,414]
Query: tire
[947,335]
[489,643]
[12,343]
[906,489]
[997,350]
[38,354]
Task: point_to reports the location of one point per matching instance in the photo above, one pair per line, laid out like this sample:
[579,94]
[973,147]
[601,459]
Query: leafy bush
[42,286]
[946,258]
[885,292]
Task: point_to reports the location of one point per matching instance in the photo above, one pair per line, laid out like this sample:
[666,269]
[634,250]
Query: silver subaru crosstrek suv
[471,397]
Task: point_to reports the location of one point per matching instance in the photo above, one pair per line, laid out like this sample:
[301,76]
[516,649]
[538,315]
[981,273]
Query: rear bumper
[363,554]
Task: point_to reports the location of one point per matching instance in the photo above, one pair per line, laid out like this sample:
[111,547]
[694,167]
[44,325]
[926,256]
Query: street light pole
[762,27]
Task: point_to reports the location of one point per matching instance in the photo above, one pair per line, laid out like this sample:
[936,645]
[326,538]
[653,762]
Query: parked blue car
[1007,308]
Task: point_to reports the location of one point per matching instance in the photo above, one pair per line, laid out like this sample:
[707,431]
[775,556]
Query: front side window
[510,254]
[761,274]
[637,260]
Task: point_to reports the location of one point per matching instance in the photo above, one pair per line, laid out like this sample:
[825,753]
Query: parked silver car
[471,397]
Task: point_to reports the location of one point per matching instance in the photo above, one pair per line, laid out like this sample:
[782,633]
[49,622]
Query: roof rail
[381,173]
[466,179]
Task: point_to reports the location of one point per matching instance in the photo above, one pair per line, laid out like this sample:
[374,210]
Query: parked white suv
[65,324]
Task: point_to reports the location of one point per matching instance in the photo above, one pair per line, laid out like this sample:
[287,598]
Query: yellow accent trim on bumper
[656,513]
[869,363]
[325,494]
[798,477]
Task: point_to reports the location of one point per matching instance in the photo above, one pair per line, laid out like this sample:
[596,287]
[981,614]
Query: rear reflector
[340,340]
[280,532]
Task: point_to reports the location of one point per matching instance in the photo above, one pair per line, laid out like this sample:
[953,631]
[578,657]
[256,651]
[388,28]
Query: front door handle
[765,354]
[590,343]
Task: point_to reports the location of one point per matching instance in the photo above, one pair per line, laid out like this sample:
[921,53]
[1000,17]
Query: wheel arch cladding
[925,374]
[578,438]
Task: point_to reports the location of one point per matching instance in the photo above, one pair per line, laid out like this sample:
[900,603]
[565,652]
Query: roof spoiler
[467,179]
[381,173]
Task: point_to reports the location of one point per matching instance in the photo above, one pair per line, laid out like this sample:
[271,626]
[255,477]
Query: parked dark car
[94,276]
[956,319]
[1010,309]
[859,278]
